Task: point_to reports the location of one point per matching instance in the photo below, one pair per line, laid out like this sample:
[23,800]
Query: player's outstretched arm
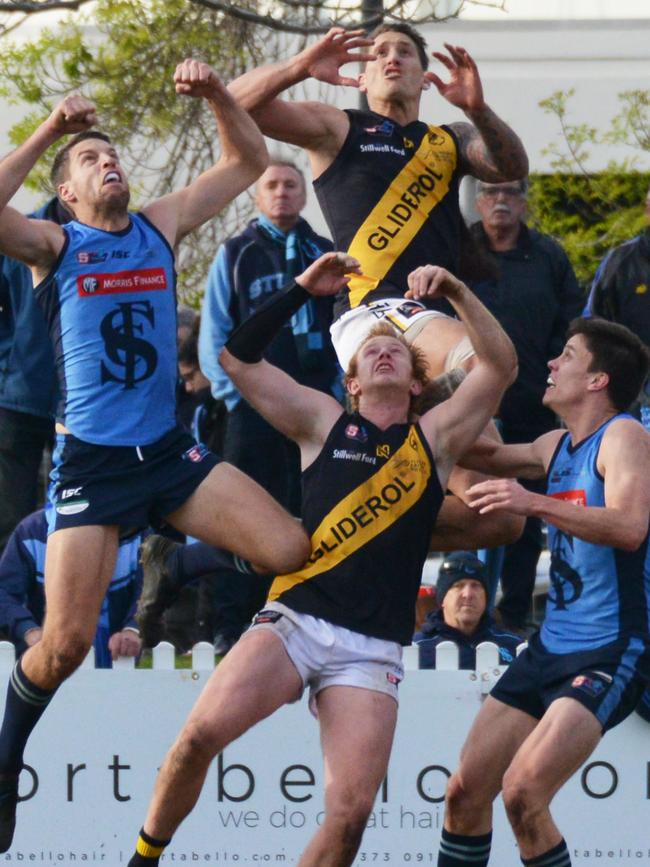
[489,149]
[520,460]
[37,242]
[623,461]
[303,414]
[454,425]
[243,157]
[310,125]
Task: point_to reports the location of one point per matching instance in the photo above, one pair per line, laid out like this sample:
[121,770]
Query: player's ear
[353,387]
[361,78]
[65,192]
[598,381]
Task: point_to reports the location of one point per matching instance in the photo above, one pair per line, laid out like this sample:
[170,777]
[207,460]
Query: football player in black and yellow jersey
[373,482]
[388,182]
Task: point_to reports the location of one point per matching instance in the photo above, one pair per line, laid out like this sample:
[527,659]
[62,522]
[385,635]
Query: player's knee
[459,800]
[293,550]
[521,800]
[66,652]
[348,813]
[197,742]
[510,527]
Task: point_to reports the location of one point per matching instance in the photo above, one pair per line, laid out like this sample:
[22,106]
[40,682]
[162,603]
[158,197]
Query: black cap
[459,566]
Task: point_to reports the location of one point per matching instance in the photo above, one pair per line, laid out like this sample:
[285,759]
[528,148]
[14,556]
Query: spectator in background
[27,386]
[248,269]
[209,419]
[22,595]
[620,293]
[528,284]
[186,401]
[461,593]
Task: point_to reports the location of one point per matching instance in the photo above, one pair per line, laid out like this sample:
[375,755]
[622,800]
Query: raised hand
[324,58]
[197,79]
[432,281]
[464,88]
[328,274]
[73,114]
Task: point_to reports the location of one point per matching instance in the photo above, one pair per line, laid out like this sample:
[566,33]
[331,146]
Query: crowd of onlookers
[525,279]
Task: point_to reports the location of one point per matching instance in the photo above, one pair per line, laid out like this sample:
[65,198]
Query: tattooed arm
[489,149]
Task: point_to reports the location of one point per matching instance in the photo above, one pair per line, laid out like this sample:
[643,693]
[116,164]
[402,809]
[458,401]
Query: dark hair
[59,168]
[407,30]
[619,353]
[420,366]
[188,348]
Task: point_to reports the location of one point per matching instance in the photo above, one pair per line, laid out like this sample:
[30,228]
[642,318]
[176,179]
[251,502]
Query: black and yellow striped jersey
[370,500]
[390,198]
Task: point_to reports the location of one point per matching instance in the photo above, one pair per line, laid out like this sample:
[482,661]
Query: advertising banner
[93,760]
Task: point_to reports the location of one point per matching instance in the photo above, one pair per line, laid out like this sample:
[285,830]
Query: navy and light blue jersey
[110,304]
[598,594]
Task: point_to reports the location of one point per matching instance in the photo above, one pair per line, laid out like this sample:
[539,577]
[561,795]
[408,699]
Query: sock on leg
[558,856]
[460,849]
[25,705]
[188,562]
[147,850]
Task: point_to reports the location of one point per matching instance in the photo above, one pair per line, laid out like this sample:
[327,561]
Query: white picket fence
[164,658]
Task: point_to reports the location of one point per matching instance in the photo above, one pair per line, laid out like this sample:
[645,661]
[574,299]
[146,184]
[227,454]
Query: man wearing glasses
[526,281]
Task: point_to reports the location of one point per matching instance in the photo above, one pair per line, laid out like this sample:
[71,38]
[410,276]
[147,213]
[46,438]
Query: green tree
[123,57]
[288,16]
[590,212]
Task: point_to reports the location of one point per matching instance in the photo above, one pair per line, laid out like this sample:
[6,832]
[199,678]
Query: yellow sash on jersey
[402,211]
[366,512]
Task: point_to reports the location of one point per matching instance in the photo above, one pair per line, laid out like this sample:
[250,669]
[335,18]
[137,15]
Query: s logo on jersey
[356,432]
[87,257]
[566,584]
[133,358]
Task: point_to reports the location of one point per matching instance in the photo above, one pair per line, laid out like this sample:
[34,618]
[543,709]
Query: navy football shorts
[606,680]
[131,486]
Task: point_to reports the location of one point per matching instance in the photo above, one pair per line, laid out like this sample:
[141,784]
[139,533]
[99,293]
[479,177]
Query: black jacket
[621,287]
[534,294]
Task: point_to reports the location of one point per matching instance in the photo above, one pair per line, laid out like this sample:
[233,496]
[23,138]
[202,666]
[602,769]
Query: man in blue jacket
[27,385]
[22,594]
[461,593]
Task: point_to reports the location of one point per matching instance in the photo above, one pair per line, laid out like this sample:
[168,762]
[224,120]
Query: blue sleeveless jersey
[110,304]
[598,594]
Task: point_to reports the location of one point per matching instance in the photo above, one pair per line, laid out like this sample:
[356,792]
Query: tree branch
[30,7]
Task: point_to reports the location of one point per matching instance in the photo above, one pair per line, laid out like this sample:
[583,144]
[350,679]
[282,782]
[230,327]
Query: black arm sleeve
[248,342]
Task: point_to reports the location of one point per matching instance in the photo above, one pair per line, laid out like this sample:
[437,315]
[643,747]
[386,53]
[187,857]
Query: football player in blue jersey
[106,282]
[582,672]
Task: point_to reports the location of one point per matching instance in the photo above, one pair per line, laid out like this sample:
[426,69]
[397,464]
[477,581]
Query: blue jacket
[27,378]
[22,597]
[246,271]
[434,630]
